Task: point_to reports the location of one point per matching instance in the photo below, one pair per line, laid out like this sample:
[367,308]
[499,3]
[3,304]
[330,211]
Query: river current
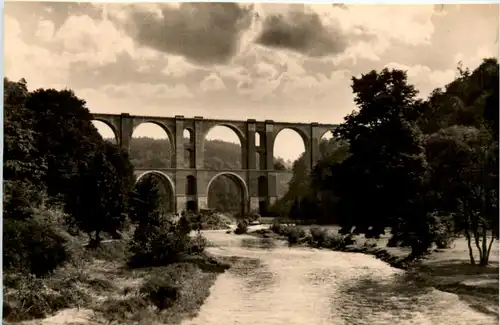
[272,284]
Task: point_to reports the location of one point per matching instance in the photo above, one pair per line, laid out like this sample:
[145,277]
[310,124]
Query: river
[272,284]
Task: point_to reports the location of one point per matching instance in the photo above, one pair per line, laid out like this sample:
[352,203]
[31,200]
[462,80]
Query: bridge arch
[166,129]
[282,147]
[226,132]
[152,136]
[240,182]
[109,125]
[168,186]
[239,132]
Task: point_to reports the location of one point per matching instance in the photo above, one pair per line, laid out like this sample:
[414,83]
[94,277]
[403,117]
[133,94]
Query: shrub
[120,309]
[198,244]
[157,246]
[442,230]
[163,244]
[163,286]
[30,297]
[254,216]
[319,235]
[295,234]
[242,227]
[33,246]
[279,228]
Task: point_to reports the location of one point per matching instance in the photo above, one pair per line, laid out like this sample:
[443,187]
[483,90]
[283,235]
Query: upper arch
[239,133]
[110,125]
[168,132]
[299,131]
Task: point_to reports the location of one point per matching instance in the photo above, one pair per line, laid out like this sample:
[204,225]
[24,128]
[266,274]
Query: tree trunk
[489,249]
[469,245]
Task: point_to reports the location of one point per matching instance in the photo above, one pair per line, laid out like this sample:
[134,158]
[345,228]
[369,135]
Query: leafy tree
[464,164]
[65,135]
[380,183]
[91,177]
[157,241]
[146,201]
[98,202]
[279,164]
[23,168]
[468,100]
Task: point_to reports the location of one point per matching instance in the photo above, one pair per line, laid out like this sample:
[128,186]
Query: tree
[470,100]
[98,202]
[65,135]
[24,167]
[145,201]
[91,177]
[157,241]
[464,165]
[380,183]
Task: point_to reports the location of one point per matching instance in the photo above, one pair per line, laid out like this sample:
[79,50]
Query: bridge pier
[254,204]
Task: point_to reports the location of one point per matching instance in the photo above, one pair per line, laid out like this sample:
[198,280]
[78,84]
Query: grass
[100,288]
[164,294]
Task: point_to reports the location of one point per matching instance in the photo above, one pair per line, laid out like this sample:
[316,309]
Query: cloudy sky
[264,61]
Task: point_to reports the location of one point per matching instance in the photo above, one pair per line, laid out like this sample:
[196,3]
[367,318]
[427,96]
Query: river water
[272,284]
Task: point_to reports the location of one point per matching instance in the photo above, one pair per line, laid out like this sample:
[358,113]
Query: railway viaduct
[188,180]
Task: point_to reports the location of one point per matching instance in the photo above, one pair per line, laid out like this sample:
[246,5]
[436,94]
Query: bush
[162,292]
[279,228]
[33,246]
[164,243]
[295,234]
[319,236]
[157,246]
[198,244]
[276,227]
[253,217]
[242,227]
[30,297]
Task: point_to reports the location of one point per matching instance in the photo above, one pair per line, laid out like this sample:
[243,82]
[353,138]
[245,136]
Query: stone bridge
[188,180]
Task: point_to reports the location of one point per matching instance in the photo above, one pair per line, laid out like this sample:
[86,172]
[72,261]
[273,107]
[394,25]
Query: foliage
[464,163]
[381,181]
[158,241]
[53,147]
[34,245]
[242,227]
[146,201]
[294,235]
[107,182]
[306,198]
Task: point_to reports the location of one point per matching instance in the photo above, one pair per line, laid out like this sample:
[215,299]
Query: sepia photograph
[238,163]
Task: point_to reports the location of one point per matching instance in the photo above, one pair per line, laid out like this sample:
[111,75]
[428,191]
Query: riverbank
[446,270]
[102,290]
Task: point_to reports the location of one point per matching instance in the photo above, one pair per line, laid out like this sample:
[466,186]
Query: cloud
[36,64]
[205,33]
[156,91]
[212,83]
[223,60]
[424,78]
[303,32]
